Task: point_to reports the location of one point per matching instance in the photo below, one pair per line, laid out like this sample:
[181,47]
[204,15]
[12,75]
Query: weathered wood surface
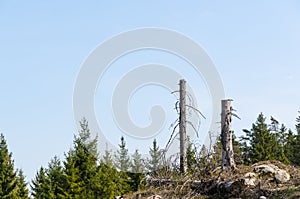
[182,126]
[226,136]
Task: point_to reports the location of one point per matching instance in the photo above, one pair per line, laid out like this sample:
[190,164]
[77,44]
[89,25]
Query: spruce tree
[155,161]
[191,156]
[260,138]
[107,158]
[110,182]
[137,165]
[137,170]
[86,163]
[203,157]
[237,149]
[260,141]
[72,184]
[296,148]
[41,185]
[8,177]
[290,147]
[84,156]
[81,172]
[216,159]
[122,163]
[55,176]
[298,122]
[122,158]
[22,189]
[85,137]
[114,182]
[279,133]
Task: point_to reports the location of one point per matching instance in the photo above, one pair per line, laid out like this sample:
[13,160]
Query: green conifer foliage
[122,158]
[55,176]
[122,163]
[107,158]
[264,142]
[298,123]
[22,189]
[82,162]
[261,141]
[290,146]
[155,161]
[191,156]
[72,185]
[41,185]
[296,148]
[8,178]
[137,170]
[137,165]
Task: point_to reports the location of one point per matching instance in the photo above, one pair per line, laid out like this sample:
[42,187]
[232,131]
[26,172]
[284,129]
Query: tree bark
[182,126]
[226,136]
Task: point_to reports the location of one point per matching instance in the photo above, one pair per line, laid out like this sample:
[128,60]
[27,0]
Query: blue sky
[255,46]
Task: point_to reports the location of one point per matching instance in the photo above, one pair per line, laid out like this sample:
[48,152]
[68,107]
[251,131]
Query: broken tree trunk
[228,163]
[182,126]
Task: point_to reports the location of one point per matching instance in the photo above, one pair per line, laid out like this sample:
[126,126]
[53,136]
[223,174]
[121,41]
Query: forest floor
[223,185]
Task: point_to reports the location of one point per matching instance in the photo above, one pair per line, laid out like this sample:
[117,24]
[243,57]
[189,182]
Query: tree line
[83,173]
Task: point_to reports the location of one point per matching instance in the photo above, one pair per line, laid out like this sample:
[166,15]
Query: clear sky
[255,46]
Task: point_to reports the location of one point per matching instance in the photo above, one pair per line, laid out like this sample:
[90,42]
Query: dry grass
[210,186]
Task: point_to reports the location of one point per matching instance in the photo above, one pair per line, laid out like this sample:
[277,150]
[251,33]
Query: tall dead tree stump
[182,125]
[228,162]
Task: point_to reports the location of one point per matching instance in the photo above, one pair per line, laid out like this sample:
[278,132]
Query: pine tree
[155,161]
[8,178]
[22,189]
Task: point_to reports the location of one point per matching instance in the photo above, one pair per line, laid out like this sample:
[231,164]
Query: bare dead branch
[235,115]
[167,148]
[172,135]
[196,110]
[190,123]
[175,122]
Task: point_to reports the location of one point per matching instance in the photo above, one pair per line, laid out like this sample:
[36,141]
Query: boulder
[266,168]
[278,174]
[282,176]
